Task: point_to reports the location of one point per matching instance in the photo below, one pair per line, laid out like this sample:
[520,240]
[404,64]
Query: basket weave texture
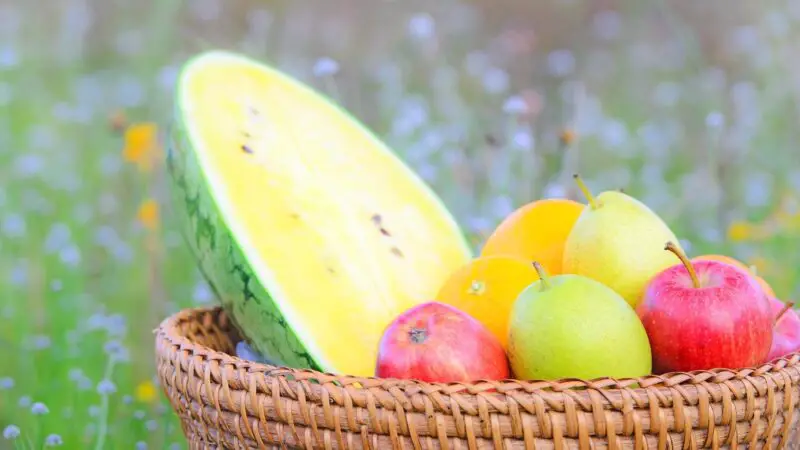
[226,402]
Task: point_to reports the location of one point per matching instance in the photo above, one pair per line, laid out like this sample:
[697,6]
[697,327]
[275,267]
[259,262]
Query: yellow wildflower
[145,392]
[148,214]
[740,231]
[794,222]
[141,145]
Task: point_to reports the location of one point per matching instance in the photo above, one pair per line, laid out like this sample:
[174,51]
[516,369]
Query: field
[693,108]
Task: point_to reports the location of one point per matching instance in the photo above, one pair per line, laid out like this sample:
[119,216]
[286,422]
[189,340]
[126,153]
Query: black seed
[246,149]
[491,139]
[378,221]
[396,252]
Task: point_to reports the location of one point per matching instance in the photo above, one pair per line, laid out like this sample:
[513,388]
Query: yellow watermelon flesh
[313,234]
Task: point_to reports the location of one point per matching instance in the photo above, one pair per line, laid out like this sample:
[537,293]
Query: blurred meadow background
[690,106]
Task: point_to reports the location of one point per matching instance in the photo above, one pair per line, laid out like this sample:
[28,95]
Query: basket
[226,402]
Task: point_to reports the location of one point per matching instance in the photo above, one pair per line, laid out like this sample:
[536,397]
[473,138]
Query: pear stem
[783,311]
[688,264]
[542,275]
[586,192]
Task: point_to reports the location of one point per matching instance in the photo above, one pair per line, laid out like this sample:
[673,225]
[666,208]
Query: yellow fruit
[722,258]
[618,241]
[486,289]
[536,232]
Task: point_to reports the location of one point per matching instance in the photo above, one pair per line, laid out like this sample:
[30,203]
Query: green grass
[84,283]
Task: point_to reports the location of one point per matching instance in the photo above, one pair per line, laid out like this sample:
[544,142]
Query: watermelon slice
[313,234]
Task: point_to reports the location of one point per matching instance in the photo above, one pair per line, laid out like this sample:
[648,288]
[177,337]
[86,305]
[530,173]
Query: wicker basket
[225,402]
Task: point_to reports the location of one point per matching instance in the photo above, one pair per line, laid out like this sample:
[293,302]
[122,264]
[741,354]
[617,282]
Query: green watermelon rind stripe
[216,252]
[216,239]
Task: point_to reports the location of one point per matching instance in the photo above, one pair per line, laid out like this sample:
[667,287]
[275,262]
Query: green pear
[618,241]
[570,326]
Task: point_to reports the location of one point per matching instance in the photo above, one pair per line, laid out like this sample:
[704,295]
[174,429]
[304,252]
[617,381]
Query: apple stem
[542,275]
[688,264]
[783,311]
[586,192]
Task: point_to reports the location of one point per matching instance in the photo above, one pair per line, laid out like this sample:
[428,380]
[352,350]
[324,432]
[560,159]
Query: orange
[725,259]
[486,289]
[536,232]
[734,262]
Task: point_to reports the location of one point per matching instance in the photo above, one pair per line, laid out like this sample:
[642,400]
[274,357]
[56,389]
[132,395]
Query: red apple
[705,315]
[786,332]
[436,342]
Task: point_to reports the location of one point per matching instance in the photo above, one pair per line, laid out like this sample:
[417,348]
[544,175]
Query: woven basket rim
[167,331]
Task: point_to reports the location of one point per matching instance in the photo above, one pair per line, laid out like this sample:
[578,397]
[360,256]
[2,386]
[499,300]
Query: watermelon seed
[396,251]
[378,220]
[246,149]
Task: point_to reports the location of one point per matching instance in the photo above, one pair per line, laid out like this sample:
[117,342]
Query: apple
[786,333]
[705,315]
[436,342]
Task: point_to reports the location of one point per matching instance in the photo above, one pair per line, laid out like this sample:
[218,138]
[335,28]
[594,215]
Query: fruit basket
[339,264]
[227,402]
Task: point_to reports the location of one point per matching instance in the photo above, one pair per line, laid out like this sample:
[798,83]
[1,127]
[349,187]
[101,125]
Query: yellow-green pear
[570,326]
[618,241]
